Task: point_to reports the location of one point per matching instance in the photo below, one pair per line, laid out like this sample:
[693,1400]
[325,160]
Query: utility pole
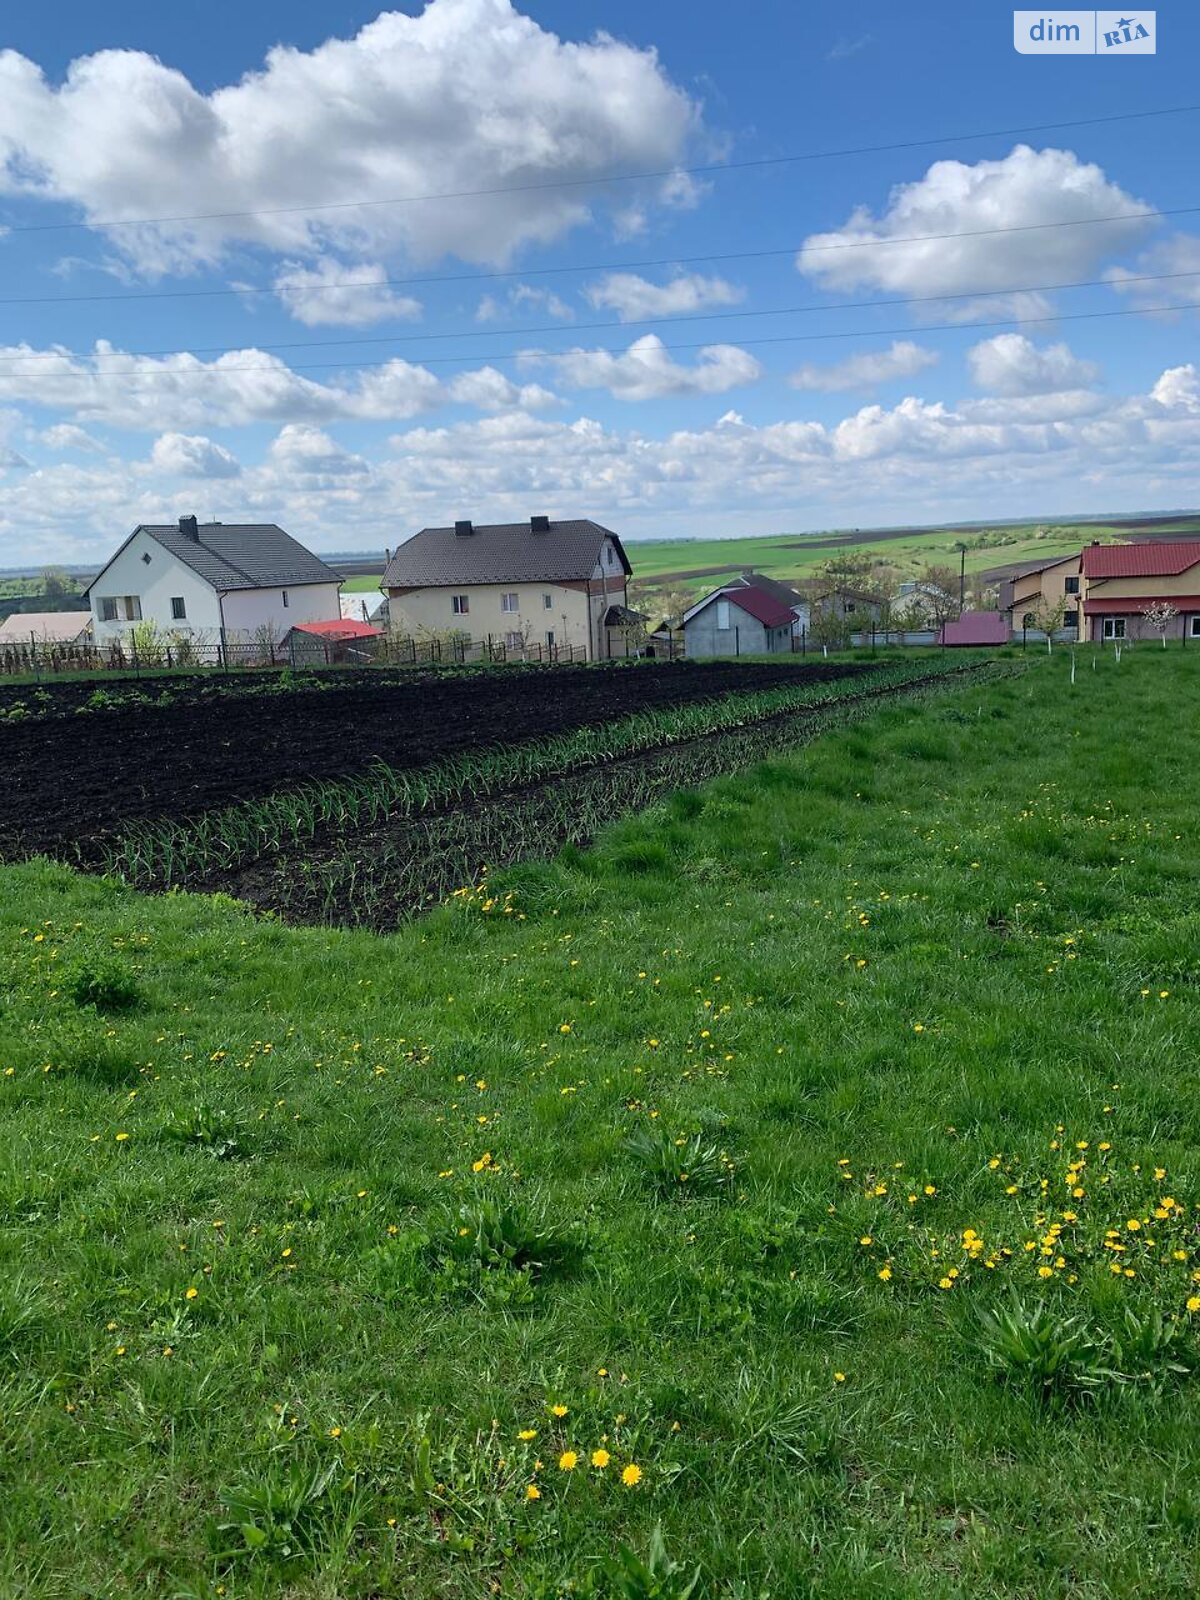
[962,577]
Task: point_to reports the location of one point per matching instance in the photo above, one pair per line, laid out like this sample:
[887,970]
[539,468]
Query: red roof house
[339,639]
[1120,581]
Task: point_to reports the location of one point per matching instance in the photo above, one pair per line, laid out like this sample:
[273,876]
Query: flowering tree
[1048,618]
[1160,614]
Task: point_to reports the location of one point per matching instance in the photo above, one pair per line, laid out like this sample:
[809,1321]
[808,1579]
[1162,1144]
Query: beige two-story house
[541,582]
[1036,587]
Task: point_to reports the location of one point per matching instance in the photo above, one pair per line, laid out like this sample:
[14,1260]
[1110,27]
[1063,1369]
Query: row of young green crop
[163,853]
[379,883]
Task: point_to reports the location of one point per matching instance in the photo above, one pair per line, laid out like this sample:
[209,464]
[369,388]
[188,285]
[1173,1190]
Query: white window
[1194,630]
[610,555]
[550,634]
[723,616]
[178,608]
[509,602]
[513,641]
[133,608]
[1072,586]
[108,608]
[285,598]
[1114,627]
[460,604]
[547,601]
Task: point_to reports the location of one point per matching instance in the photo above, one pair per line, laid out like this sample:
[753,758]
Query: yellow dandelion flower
[632,1475]
[839,1377]
[1193,1302]
[191,1293]
[527,1433]
[559,1410]
[568,1461]
[600,1458]
[532,1492]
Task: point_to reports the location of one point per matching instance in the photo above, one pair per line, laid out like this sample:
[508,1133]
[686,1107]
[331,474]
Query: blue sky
[266,364]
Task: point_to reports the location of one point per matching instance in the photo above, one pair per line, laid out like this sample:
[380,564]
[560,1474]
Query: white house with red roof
[749,616]
[1118,582]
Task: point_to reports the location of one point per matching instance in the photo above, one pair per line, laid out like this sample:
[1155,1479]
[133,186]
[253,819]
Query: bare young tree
[1160,614]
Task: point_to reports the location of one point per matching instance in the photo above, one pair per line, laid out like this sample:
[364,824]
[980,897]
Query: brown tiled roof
[501,552]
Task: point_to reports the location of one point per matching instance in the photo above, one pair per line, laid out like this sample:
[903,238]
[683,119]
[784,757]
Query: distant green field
[366,584]
[788,556]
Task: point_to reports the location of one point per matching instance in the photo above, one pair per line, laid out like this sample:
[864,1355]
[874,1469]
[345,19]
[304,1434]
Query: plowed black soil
[65,783]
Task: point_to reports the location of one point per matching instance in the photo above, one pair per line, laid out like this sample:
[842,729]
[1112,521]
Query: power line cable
[571,329]
[174,375]
[594,266]
[714,168]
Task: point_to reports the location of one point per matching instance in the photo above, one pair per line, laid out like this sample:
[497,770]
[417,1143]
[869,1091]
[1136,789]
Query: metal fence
[39,659]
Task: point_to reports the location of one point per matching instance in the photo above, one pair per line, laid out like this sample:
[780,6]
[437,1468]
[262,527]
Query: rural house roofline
[502,552]
[267,557]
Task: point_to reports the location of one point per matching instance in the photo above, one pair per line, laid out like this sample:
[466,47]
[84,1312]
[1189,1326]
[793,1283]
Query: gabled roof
[238,555]
[501,552]
[977,627]
[762,606]
[755,602]
[1157,558]
[339,628]
[48,627]
[783,592]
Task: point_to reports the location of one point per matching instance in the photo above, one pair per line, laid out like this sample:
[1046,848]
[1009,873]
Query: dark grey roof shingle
[500,552]
[243,555]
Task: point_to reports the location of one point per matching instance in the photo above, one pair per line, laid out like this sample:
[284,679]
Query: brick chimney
[189,528]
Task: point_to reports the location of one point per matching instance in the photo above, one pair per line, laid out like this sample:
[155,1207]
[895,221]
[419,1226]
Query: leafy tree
[56,582]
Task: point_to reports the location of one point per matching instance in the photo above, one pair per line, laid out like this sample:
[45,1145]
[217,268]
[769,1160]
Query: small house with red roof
[745,617]
[1118,582]
[341,639]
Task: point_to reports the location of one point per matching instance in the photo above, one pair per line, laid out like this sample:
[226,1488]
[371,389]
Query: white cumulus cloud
[1022,192]
[635,298]
[337,294]
[867,369]
[468,95]
[67,436]
[193,456]
[646,370]
[1011,364]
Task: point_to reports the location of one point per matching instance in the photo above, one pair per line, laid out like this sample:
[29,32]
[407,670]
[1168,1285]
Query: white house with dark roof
[541,582]
[222,581]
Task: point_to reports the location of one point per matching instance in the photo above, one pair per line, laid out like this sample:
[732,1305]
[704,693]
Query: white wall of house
[249,610]
[154,583]
[157,582]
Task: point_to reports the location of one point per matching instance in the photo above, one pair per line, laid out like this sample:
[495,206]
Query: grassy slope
[700,968]
[786,557]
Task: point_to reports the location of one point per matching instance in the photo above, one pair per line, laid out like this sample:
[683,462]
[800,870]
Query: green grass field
[787,557]
[808,1171]
[366,584]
